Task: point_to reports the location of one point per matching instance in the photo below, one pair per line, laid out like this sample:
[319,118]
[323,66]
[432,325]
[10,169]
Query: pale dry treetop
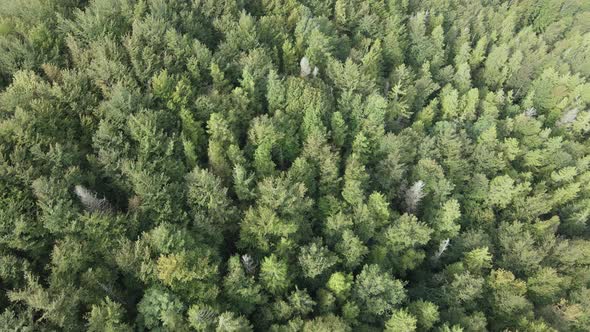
[206,315]
[305,67]
[315,71]
[530,112]
[91,202]
[414,195]
[248,263]
[444,244]
[568,117]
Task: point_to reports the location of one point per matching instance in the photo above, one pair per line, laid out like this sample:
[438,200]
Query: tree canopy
[295,165]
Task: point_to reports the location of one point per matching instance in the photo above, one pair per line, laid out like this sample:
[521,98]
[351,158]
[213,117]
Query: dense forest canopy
[295,165]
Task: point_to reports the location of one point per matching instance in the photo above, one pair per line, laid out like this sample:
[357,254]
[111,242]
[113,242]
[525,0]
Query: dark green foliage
[294,165]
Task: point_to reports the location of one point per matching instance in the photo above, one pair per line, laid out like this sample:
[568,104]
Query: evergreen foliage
[295,165]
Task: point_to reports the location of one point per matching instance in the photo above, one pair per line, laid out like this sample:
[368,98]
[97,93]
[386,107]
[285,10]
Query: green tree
[426,314]
[107,317]
[240,286]
[315,260]
[376,292]
[159,308]
[401,321]
[211,209]
[340,284]
[274,275]
[507,298]
[546,285]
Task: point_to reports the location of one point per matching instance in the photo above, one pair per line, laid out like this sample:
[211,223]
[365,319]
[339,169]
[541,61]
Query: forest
[295,165]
